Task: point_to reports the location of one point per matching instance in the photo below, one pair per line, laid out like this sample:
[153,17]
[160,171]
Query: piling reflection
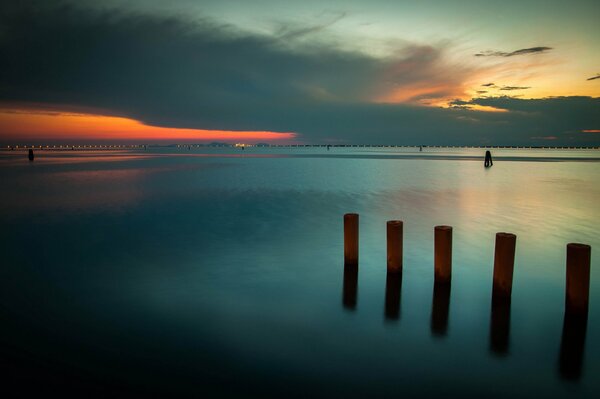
[572,345]
[393,289]
[350,287]
[440,309]
[500,326]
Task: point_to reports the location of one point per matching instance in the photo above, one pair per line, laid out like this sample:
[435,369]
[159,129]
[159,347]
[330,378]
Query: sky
[336,72]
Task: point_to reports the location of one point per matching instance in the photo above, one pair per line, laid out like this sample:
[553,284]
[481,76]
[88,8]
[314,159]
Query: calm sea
[219,272]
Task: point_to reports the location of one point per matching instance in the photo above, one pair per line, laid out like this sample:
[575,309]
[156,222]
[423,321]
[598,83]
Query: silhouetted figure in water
[488,159]
[328,147]
[30,156]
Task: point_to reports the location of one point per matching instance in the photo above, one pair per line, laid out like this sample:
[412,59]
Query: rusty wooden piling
[350,287]
[443,254]
[394,246]
[504,262]
[572,345]
[500,325]
[440,309]
[578,278]
[393,289]
[351,239]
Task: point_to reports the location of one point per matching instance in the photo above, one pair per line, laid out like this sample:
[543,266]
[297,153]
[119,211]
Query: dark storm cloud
[562,107]
[523,51]
[167,71]
[594,77]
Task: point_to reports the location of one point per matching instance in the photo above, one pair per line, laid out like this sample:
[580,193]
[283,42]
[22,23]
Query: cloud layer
[523,51]
[510,88]
[167,71]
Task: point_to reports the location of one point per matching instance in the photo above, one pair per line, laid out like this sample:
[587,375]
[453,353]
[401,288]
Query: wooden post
[504,262]
[500,326]
[440,308]
[572,345]
[394,246]
[578,278]
[443,254]
[393,288]
[351,239]
[350,287]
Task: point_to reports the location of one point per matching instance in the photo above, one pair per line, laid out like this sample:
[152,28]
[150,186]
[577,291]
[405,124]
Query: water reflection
[500,326]
[572,346]
[440,309]
[154,275]
[76,157]
[393,289]
[350,289]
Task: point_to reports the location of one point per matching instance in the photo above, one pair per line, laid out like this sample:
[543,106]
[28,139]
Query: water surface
[185,272]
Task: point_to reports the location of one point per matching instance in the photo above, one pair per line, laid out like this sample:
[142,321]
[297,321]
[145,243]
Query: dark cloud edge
[523,51]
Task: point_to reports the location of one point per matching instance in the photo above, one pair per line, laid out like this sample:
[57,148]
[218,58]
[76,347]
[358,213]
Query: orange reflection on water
[19,124]
[79,190]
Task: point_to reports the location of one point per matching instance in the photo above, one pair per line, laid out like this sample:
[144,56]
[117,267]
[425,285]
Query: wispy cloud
[422,74]
[488,85]
[523,51]
[289,31]
[594,77]
[508,88]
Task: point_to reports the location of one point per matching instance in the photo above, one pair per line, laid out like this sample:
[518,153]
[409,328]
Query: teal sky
[381,27]
[398,72]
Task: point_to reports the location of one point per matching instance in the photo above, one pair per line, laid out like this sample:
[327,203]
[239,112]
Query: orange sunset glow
[43,125]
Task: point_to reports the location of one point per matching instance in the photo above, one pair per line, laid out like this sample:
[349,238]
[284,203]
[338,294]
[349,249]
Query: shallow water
[175,271]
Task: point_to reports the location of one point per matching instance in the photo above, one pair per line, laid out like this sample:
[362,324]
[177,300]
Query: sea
[219,272]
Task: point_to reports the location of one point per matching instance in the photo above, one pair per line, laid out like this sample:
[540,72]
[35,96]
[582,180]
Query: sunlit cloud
[21,123]
[544,138]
